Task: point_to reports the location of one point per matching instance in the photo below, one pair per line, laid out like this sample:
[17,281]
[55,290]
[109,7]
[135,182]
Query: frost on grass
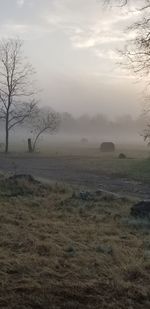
[63,252]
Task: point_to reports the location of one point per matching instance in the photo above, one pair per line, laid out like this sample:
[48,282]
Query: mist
[82,131]
[73,47]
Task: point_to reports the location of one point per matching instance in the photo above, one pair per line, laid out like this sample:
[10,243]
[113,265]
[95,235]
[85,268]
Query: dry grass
[57,251]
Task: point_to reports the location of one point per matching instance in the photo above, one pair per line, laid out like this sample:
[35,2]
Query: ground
[60,251]
[87,167]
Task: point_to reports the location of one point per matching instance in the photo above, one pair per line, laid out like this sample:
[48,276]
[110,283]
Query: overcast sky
[72,45]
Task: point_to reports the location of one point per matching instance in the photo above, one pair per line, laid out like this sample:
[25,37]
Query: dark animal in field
[141,209]
[122,156]
[107,147]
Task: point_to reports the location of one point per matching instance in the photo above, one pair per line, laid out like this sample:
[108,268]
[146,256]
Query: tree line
[101,124]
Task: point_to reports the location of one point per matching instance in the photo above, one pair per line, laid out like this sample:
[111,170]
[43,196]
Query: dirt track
[73,171]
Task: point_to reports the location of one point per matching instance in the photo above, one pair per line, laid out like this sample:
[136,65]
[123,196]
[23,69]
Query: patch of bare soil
[60,251]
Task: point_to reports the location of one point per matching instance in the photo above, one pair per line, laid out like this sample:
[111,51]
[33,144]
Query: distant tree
[68,122]
[43,123]
[16,94]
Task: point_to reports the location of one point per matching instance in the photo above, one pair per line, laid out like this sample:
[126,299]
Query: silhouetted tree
[43,123]
[16,94]
[137,50]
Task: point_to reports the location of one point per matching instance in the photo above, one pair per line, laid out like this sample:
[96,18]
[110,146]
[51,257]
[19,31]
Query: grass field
[86,167]
[59,251]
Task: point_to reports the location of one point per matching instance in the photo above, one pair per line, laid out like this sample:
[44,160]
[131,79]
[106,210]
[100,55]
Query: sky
[73,46]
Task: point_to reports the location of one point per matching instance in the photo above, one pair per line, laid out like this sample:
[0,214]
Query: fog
[73,48]
[82,131]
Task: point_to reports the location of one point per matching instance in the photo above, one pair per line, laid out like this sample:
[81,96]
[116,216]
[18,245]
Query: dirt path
[72,170]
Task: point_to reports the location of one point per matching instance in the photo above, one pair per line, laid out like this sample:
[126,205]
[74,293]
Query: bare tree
[43,123]
[146,134]
[121,3]
[137,51]
[141,4]
[16,94]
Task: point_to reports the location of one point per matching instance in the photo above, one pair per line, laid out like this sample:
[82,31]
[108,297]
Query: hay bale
[107,147]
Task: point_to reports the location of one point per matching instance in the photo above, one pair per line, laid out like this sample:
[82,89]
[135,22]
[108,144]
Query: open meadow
[85,166]
[59,250]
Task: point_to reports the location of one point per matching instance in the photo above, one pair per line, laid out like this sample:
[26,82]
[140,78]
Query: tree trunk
[7,136]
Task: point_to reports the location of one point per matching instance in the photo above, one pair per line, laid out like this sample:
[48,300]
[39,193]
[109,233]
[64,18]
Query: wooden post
[30,145]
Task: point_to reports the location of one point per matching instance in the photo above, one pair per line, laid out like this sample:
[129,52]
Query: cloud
[108,54]
[82,28]
[20,3]
[94,38]
[25,31]
[88,26]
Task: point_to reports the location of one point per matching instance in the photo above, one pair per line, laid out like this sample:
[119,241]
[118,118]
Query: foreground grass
[57,251]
